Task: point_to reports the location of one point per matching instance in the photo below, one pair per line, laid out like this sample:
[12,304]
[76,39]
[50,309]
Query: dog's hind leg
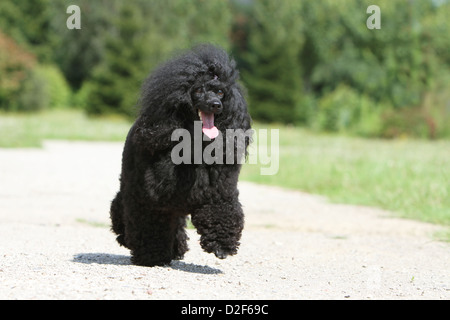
[116,214]
[151,236]
[180,245]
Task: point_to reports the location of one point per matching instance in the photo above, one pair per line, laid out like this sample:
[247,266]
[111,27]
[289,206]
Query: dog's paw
[224,252]
[221,249]
[221,254]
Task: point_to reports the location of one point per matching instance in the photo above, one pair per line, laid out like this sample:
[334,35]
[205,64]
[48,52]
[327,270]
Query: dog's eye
[220,94]
[198,91]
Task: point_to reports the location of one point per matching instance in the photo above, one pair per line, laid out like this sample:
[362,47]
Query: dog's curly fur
[149,212]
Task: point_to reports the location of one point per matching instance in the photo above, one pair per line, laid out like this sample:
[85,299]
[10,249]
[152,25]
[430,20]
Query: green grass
[408,177]
[28,130]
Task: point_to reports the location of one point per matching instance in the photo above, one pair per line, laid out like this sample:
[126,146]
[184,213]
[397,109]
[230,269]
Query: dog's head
[200,84]
[207,96]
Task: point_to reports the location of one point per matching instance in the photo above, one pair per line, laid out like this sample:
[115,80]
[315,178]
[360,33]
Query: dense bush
[44,87]
[345,110]
[56,86]
[16,65]
[33,94]
[26,85]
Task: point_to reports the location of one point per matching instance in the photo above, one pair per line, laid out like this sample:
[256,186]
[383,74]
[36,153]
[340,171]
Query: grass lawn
[408,177]
[28,130]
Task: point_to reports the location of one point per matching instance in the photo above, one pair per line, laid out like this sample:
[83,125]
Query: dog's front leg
[153,138]
[220,226]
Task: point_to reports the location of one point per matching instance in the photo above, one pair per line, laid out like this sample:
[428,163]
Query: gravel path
[55,241]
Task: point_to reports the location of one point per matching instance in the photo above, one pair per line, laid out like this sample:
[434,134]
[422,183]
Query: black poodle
[149,212]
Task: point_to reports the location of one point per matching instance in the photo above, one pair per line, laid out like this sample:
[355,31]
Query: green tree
[271,66]
[117,80]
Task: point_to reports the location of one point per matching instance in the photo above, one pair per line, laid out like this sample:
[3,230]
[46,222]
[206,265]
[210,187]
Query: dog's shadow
[115,259]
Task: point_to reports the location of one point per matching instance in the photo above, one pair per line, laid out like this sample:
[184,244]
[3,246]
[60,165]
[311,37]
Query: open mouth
[208,127]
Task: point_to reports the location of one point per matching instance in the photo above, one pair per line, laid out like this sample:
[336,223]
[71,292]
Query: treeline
[312,63]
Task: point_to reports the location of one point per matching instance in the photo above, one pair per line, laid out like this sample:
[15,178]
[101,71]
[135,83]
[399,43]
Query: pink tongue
[209,129]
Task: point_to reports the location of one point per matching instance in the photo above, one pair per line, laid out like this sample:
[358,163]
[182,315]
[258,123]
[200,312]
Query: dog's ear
[237,116]
[182,101]
[236,108]
[187,97]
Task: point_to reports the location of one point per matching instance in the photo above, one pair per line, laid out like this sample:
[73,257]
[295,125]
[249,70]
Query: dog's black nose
[216,106]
